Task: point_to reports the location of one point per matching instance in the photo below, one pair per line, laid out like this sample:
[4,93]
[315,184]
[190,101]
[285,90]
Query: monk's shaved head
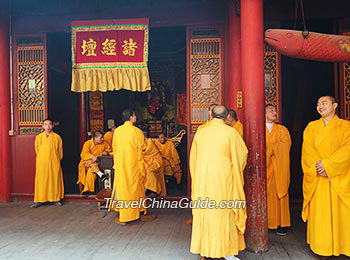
[220,112]
[331,98]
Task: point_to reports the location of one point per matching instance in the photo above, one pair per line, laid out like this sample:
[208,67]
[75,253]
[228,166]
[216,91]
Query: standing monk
[88,166]
[48,175]
[217,159]
[129,178]
[326,183]
[278,144]
[233,121]
[171,158]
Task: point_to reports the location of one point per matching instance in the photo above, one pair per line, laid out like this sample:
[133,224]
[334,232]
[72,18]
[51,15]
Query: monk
[108,136]
[217,160]
[233,121]
[129,180]
[326,182]
[88,166]
[154,181]
[48,174]
[278,145]
[171,159]
[209,117]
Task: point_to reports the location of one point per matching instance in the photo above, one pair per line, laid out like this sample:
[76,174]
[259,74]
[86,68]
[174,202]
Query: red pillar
[5,152]
[254,122]
[82,120]
[235,83]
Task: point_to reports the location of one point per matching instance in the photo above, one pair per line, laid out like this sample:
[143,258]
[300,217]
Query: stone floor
[81,231]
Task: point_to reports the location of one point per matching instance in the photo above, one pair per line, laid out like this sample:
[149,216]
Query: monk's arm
[37,144]
[85,153]
[309,156]
[60,148]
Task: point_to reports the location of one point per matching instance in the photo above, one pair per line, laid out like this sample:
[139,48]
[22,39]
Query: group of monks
[217,160]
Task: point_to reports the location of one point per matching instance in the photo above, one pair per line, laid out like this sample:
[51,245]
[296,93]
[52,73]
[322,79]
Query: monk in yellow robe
[278,145]
[129,179]
[171,159]
[326,182]
[48,174]
[217,160]
[154,181]
[209,117]
[233,121]
[88,167]
[108,136]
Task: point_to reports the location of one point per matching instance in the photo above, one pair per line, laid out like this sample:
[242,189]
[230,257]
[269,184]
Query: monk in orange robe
[48,175]
[171,158]
[88,167]
[278,145]
[108,136]
[326,182]
[217,160]
[233,121]
[129,179]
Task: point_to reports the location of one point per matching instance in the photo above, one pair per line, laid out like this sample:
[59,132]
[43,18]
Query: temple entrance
[157,110]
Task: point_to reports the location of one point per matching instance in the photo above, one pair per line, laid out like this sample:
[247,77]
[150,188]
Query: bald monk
[108,136]
[233,121]
[88,167]
[217,160]
[209,117]
[48,173]
[326,182]
[154,181]
[278,145]
[129,179]
[171,159]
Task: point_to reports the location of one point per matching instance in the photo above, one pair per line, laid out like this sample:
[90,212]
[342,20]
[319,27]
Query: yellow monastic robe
[278,145]
[326,206]
[171,159]
[86,176]
[108,137]
[203,125]
[128,146]
[217,160]
[48,175]
[154,169]
[239,127]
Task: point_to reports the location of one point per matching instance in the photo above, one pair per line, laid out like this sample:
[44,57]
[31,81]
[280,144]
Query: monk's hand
[104,153]
[94,159]
[320,169]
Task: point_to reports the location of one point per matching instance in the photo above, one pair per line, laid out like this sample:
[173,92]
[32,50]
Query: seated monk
[108,137]
[88,167]
[171,159]
[153,160]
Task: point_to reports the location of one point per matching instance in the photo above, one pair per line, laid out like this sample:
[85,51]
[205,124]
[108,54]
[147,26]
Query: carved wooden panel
[31,85]
[205,69]
[346,88]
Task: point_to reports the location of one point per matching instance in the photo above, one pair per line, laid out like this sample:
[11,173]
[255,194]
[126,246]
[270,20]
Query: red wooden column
[254,122]
[234,58]
[82,120]
[5,152]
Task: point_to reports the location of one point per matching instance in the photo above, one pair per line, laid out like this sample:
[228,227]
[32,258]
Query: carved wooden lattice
[205,77]
[31,88]
[271,69]
[346,90]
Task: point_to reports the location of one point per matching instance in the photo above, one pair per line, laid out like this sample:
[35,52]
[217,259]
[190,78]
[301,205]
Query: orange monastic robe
[217,160]
[154,169]
[48,175]
[86,175]
[203,125]
[239,127]
[128,146]
[278,145]
[108,137]
[326,206]
[171,159]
